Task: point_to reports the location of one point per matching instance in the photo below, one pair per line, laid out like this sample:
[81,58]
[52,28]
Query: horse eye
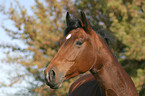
[78,43]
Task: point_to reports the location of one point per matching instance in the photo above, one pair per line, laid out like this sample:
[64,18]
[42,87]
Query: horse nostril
[51,75]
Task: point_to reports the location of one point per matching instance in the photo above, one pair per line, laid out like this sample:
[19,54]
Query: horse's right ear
[68,18]
[85,23]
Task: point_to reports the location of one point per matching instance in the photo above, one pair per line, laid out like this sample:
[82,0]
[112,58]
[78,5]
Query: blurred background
[30,31]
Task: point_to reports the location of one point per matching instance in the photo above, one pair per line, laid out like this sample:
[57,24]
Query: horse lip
[54,86]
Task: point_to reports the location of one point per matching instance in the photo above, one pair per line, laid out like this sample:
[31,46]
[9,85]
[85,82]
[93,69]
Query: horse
[84,49]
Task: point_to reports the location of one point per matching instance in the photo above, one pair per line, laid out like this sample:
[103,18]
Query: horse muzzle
[53,79]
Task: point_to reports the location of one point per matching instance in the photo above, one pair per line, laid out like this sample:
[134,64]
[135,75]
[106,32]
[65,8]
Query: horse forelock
[74,24]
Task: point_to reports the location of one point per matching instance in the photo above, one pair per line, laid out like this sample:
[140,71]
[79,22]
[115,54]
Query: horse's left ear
[68,19]
[85,23]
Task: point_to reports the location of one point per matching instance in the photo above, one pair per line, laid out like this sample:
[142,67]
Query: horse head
[77,53]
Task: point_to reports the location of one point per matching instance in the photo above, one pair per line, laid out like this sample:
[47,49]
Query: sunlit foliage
[125,19]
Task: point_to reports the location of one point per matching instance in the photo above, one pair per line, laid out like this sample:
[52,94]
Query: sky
[17,73]
[4,38]
[14,72]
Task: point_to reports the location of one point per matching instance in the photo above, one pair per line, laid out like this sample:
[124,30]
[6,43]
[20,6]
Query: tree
[42,32]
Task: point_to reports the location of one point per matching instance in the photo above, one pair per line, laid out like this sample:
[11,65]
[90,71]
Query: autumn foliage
[41,32]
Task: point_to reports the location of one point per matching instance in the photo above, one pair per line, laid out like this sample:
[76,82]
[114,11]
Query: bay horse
[83,50]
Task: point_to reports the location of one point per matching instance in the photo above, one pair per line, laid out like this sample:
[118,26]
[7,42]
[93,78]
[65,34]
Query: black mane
[76,23]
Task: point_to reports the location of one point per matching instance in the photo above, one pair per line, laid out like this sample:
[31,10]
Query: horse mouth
[54,85]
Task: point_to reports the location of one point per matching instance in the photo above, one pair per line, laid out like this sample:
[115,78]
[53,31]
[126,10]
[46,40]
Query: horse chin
[54,85]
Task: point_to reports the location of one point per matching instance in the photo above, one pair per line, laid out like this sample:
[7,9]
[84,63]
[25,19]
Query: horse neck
[109,73]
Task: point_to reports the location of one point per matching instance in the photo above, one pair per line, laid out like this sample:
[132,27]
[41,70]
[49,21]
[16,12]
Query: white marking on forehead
[68,36]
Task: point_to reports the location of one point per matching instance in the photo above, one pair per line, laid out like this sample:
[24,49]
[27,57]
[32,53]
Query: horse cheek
[85,61]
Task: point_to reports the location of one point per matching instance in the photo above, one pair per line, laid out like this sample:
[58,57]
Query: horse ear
[85,23]
[68,18]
